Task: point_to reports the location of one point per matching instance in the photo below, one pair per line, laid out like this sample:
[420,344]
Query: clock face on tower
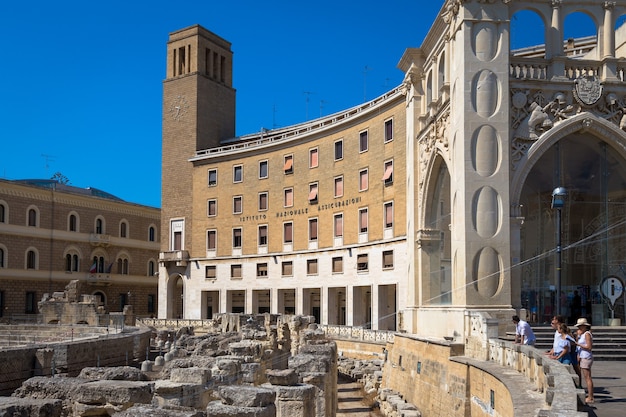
[178,107]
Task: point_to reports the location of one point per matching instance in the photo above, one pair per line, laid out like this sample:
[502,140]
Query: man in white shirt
[523,333]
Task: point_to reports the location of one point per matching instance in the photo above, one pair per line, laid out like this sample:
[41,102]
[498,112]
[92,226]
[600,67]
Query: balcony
[97,239]
[179,257]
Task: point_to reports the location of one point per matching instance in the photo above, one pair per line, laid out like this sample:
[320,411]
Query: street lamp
[558,201]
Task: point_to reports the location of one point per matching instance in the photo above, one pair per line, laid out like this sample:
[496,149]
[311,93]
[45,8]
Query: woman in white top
[585,356]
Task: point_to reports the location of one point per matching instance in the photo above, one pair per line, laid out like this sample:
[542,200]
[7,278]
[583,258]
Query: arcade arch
[587,156]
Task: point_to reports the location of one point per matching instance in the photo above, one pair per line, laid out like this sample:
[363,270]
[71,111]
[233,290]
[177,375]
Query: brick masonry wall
[52,240]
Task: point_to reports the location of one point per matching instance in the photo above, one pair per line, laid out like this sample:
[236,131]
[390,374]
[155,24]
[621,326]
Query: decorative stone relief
[532,113]
[435,138]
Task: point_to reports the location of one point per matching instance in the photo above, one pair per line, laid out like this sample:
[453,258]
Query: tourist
[585,355]
[523,333]
[563,345]
[556,321]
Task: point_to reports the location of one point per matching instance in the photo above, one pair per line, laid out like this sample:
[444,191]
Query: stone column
[608,43]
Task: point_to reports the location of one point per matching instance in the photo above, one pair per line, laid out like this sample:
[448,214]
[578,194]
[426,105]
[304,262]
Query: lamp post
[558,201]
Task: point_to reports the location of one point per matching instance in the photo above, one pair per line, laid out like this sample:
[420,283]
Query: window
[387,259]
[99,226]
[151,233]
[361,262]
[261,270]
[237,238]
[263,201]
[151,303]
[31,302]
[389,130]
[337,264]
[122,266]
[338,186]
[237,204]
[313,158]
[123,229]
[388,175]
[238,173]
[212,177]
[31,259]
[211,208]
[363,141]
[73,223]
[151,268]
[177,230]
[363,220]
[235,271]
[287,268]
[338,225]
[313,193]
[32,217]
[288,166]
[311,267]
[71,262]
[312,229]
[1,258]
[263,169]
[388,208]
[363,180]
[211,239]
[3,213]
[210,272]
[338,150]
[288,200]
[288,232]
[263,235]
[98,265]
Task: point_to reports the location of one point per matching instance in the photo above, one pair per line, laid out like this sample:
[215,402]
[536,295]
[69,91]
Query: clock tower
[198,113]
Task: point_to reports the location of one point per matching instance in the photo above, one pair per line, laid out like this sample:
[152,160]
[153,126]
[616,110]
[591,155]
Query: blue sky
[81,81]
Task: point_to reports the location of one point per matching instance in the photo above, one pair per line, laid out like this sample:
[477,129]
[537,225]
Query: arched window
[71,262]
[151,233]
[3,214]
[122,266]
[73,223]
[32,217]
[123,229]
[1,258]
[31,260]
[99,226]
[97,265]
[151,269]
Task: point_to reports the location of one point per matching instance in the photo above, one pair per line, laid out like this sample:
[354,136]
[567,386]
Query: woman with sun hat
[585,356]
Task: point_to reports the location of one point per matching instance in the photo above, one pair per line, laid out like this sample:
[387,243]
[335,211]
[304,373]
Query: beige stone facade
[51,234]
[479,136]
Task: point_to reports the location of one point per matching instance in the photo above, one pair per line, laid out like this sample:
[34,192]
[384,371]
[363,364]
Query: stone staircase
[609,343]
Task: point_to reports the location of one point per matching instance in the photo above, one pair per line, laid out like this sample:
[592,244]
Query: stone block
[192,375]
[115,392]
[117,373]
[144,410]
[169,394]
[46,388]
[12,406]
[218,409]
[281,376]
[247,396]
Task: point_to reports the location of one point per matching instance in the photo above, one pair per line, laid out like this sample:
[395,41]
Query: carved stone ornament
[587,90]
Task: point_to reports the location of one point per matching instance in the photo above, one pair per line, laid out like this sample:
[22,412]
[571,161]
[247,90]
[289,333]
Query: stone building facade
[52,234]
[408,211]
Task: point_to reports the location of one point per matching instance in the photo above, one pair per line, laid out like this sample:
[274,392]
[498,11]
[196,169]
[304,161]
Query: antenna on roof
[365,70]
[307,94]
[47,158]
